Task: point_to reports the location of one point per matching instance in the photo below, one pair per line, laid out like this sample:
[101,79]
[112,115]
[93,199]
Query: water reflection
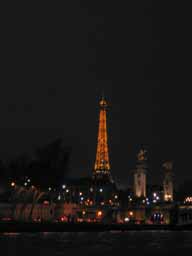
[108,243]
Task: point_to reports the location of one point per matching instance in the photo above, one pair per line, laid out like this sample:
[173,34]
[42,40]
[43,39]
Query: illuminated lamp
[131,213]
[12,184]
[99,213]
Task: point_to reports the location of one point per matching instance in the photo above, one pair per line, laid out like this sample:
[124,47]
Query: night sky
[57,60]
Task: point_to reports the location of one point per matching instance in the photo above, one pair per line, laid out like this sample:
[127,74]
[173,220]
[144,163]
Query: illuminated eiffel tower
[102,165]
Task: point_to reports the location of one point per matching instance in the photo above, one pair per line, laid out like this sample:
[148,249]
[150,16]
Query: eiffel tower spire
[102,165]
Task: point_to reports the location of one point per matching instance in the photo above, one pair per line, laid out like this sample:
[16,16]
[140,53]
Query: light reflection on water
[108,243]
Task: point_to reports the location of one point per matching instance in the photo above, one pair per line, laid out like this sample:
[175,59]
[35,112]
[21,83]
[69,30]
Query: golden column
[140,175]
[102,165]
[168,181]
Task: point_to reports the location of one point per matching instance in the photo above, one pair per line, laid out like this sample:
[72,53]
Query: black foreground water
[102,243]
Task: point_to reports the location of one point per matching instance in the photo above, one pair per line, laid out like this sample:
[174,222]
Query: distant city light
[80,193]
[62,219]
[168,197]
[99,213]
[154,194]
[188,199]
[46,202]
[12,184]
[91,189]
[25,184]
[82,198]
[116,196]
[63,186]
[49,188]
[126,219]
[101,190]
[67,190]
[59,197]
[28,180]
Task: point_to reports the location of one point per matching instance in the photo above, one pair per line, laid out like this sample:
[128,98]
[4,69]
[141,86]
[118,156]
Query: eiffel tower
[102,165]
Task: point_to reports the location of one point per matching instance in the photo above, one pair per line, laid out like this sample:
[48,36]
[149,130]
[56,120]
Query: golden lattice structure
[102,165]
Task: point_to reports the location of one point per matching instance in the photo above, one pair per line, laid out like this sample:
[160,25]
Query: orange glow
[168,197]
[131,213]
[99,213]
[103,103]
[102,156]
[83,212]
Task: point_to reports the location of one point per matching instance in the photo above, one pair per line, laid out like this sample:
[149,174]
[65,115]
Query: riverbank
[83,227]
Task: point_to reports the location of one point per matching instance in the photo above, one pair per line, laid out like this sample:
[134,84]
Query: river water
[106,243]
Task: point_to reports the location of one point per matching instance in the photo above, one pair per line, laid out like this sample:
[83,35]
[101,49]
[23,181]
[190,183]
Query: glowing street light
[13,184]
[188,199]
[99,213]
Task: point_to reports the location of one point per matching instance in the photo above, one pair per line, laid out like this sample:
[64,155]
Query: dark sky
[57,60]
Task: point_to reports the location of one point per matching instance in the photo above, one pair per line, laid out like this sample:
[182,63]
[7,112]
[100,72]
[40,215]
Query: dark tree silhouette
[184,190]
[47,169]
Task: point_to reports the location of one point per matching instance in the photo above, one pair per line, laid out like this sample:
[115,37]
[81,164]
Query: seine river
[107,243]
